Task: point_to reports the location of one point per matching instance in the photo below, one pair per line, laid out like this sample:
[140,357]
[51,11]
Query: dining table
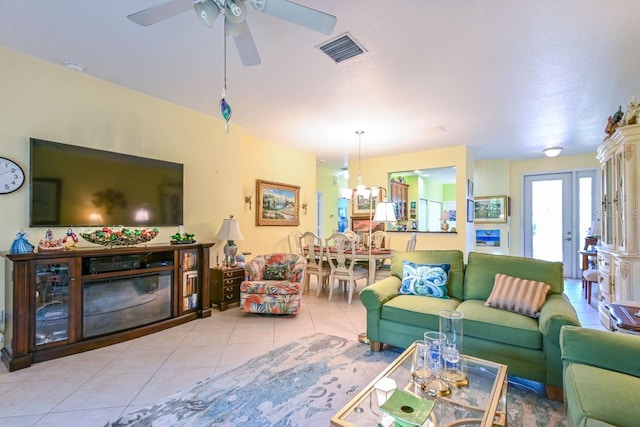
[373,256]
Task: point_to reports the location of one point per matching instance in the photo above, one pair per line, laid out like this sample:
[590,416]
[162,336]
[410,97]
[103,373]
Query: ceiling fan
[235,12]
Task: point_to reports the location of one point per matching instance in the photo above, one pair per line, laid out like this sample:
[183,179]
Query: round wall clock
[11,176]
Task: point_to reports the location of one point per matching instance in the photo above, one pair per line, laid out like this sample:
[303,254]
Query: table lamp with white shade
[230,231]
[444,218]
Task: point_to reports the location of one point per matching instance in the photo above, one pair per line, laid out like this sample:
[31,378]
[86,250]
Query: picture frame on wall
[491,209]
[364,206]
[470,210]
[277,203]
[488,238]
[469,188]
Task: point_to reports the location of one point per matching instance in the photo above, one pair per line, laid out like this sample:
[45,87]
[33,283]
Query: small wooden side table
[225,285]
[623,316]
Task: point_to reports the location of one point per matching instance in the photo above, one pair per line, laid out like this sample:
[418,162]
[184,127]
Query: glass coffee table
[483,402]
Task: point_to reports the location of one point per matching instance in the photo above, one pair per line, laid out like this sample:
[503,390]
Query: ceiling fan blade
[161,12]
[298,14]
[244,43]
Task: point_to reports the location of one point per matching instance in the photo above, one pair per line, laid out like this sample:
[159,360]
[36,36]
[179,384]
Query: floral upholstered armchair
[272,284]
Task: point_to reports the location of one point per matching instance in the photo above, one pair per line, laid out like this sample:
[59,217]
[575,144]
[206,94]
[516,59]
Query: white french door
[558,210]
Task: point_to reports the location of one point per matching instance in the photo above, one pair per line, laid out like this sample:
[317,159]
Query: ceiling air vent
[342,47]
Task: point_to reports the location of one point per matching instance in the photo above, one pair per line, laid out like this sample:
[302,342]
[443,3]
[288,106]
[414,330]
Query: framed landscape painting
[277,203]
[365,205]
[491,209]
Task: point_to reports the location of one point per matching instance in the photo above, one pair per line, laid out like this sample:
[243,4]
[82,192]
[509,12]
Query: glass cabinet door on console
[190,286]
[53,283]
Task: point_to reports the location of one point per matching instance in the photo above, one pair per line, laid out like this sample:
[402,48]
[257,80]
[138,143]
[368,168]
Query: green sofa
[601,377]
[529,346]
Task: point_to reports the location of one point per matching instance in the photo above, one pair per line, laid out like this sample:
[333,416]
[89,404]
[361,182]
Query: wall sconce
[305,203]
[248,194]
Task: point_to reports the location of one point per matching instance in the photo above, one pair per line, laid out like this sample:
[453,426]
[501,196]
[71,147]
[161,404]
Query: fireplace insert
[117,304]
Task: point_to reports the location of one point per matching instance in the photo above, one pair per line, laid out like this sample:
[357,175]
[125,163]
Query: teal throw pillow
[425,279]
[275,272]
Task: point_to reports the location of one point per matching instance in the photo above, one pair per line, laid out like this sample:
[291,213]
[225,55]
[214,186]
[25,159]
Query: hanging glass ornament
[225,110]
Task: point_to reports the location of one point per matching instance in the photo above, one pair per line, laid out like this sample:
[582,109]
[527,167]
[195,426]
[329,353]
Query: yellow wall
[46,101]
[375,171]
[50,102]
[491,178]
[543,165]
[504,177]
[327,185]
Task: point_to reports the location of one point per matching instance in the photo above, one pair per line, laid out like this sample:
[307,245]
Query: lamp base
[230,251]
[362,338]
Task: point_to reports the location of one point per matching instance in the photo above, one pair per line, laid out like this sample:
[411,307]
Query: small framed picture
[470,210]
[469,188]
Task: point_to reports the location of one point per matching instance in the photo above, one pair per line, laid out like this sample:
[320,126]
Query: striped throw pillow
[518,295]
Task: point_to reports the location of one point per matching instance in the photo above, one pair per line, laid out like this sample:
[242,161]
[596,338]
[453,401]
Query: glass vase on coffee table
[420,370]
[451,326]
[435,385]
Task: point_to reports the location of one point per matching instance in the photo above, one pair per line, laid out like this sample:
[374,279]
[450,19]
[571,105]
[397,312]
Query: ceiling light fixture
[361,191]
[207,11]
[235,11]
[368,196]
[552,151]
[75,66]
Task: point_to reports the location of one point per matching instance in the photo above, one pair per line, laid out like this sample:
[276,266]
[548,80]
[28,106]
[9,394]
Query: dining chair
[352,234]
[380,239]
[340,250]
[294,243]
[411,243]
[311,245]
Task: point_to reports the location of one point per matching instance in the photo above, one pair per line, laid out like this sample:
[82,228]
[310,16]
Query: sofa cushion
[596,396]
[425,279]
[500,326]
[518,295]
[417,310]
[454,258]
[482,268]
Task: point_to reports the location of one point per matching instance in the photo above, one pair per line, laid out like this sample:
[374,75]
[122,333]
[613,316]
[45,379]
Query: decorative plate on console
[123,237]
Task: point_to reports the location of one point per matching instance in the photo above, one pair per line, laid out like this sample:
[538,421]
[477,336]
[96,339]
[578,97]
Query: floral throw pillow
[425,279]
[275,272]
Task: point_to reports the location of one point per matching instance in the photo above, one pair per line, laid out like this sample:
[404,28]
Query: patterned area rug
[304,384]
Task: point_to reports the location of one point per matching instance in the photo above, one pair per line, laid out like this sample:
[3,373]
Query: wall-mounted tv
[79,186]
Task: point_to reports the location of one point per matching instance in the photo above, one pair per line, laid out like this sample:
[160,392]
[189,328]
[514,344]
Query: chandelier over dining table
[362,195]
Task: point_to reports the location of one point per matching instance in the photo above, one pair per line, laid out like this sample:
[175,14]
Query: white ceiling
[506,77]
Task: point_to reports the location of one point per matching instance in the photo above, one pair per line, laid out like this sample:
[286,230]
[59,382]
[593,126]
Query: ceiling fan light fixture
[552,151]
[235,11]
[207,11]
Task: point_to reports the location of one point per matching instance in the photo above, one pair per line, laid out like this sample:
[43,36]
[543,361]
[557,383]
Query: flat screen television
[79,186]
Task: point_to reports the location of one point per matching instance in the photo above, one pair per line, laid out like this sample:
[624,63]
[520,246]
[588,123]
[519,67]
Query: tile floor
[91,388]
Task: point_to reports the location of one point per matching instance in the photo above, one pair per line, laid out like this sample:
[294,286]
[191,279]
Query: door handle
[568,239]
